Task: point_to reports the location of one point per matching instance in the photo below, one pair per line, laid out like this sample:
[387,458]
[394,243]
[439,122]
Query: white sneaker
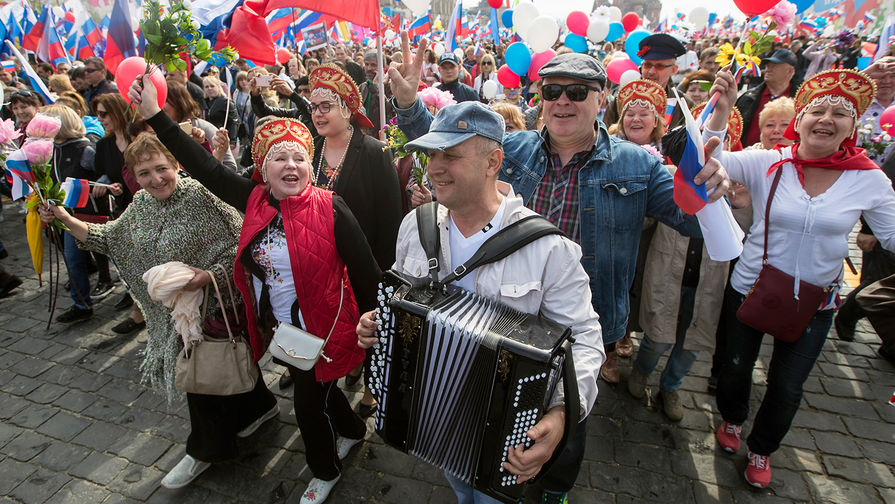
[344,445]
[248,431]
[318,490]
[184,472]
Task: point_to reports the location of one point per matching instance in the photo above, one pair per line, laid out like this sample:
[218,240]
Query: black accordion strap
[508,240]
[572,406]
[427,226]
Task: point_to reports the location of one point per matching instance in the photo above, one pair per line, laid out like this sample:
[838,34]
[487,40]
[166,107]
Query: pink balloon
[283,55]
[630,21]
[506,77]
[617,67]
[888,117]
[537,61]
[578,23]
[132,68]
[495,4]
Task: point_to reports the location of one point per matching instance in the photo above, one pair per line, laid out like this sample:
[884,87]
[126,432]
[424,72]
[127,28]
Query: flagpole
[379,65]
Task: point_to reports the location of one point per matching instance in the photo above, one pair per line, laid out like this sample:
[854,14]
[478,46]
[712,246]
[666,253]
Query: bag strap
[333,328]
[427,226]
[221,301]
[767,212]
[229,290]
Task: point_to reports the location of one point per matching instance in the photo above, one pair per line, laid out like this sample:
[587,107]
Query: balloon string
[710,107]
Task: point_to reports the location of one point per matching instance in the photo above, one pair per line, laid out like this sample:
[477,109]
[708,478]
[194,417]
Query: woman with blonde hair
[512,116]
[773,120]
[487,72]
[59,83]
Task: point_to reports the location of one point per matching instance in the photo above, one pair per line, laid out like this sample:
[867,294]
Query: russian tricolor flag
[17,163]
[33,35]
[420,26]
[455,26]
[77,192]
[36,83]
[689,196]
[120,39]
[19,188]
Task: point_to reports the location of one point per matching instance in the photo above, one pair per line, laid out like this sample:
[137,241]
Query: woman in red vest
[302,259]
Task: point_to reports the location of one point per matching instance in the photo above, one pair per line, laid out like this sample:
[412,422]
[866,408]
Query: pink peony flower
[38,151]
[8,131]
[43,126]
[434,97]
[782,14]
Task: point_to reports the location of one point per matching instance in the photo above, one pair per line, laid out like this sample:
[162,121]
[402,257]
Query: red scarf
[848,157]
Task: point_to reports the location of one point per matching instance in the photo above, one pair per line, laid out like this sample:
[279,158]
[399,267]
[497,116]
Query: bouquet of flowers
[169,34]
[32,162]
[875,145]
[395,140]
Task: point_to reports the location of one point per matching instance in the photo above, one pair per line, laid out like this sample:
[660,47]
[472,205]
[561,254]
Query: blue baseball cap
[458,123]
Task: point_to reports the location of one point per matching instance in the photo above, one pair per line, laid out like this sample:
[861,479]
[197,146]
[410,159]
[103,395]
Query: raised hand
[144,95]
[405,79]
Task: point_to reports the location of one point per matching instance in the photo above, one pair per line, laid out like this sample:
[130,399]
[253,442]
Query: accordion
[460,379]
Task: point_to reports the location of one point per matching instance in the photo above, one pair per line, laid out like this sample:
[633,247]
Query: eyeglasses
[322,107]
[646,65]
[574,92]
[486,63]
[22,93]
[90,70]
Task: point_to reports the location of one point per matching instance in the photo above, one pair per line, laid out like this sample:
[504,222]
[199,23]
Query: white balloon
[597,30]
[615,15]
[419,7]
[489,89]
[542,33]
[438,49]
[628,76]
[699,16]
[523,15]
[459,53]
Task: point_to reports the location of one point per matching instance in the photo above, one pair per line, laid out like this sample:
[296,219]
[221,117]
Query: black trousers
[323,413]
[215,420]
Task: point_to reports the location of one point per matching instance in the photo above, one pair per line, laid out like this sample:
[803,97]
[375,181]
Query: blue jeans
[77,272]
[465,493]
[680,361]
[787,372]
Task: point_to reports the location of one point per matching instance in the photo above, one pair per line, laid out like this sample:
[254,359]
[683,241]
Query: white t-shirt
[462,247]
[272,255]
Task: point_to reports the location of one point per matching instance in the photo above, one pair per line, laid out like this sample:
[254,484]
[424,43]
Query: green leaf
[180,64]
[747,48]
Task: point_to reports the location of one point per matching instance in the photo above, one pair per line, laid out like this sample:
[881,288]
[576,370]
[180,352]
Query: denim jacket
[618,187]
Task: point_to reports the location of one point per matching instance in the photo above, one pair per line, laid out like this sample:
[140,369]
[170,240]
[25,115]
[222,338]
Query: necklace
[332,172]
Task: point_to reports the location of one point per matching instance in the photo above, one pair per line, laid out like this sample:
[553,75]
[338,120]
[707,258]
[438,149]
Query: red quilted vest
[318,270]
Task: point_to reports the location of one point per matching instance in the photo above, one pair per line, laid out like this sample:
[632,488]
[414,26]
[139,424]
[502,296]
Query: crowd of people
[281,186]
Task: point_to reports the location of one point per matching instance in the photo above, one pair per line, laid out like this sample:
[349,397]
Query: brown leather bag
[771,306]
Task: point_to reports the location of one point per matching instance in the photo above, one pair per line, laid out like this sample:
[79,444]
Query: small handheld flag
[17,163]
[683,145]
[77,192]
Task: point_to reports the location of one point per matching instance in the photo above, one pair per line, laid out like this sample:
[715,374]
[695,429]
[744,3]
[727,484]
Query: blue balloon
[217,59]
[518,58]
[632,44]
[616,30]
[576,43]
[802,5]
[506,17]
[712,18]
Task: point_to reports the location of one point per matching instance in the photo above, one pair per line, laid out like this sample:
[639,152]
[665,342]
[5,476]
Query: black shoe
[125,302]
[350,379]
[8,284]
[285,381]
[74,314]
[4,254]
[128,326]
[367,410]
[846,332]
[101,290]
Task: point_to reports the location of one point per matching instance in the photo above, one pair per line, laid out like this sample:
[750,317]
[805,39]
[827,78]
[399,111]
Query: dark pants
[875,265]
[323,413]
[77,260]
[562,475]
[787,372]
[102,268]
[215,420]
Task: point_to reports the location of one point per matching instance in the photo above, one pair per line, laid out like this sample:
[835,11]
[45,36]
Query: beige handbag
[217,366]
[298,347]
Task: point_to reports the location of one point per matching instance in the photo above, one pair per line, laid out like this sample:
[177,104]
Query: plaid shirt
[557,196]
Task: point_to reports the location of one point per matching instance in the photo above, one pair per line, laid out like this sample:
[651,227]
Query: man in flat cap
[779,80]
[659,53]
[465,155]
[594,187]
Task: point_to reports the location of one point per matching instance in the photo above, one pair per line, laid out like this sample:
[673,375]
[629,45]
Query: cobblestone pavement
[79,427]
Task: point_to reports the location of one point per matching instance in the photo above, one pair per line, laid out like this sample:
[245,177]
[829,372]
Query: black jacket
[75,158]
[300,112]
[220,108]
[747,103]
[461,92]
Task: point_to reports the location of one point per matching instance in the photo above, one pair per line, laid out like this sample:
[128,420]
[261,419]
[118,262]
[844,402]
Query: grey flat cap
[575,65]
[455,124]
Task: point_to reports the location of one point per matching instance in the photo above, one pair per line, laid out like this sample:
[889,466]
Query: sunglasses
[486,63]
[574,92]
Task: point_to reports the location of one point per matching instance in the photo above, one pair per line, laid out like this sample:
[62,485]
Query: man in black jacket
[95,75]
[449,68]
[779,80]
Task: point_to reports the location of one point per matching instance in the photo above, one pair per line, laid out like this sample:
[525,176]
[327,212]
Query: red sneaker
[758,472]
[728,437]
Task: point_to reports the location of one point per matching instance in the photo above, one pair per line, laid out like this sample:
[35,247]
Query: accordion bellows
[460,379]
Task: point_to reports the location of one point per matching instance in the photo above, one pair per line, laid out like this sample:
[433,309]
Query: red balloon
[888,117]
[578,23]
[506,77]
[755,7]
[495,4]
[537,61]
[617,67]
[132,68]
[283,55]
[630,21]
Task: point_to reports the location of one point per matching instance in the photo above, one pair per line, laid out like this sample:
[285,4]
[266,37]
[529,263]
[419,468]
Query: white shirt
[463,248]
[272,255]
[807,237]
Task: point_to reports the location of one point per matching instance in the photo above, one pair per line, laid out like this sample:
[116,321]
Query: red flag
[249,34]
[359,12]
